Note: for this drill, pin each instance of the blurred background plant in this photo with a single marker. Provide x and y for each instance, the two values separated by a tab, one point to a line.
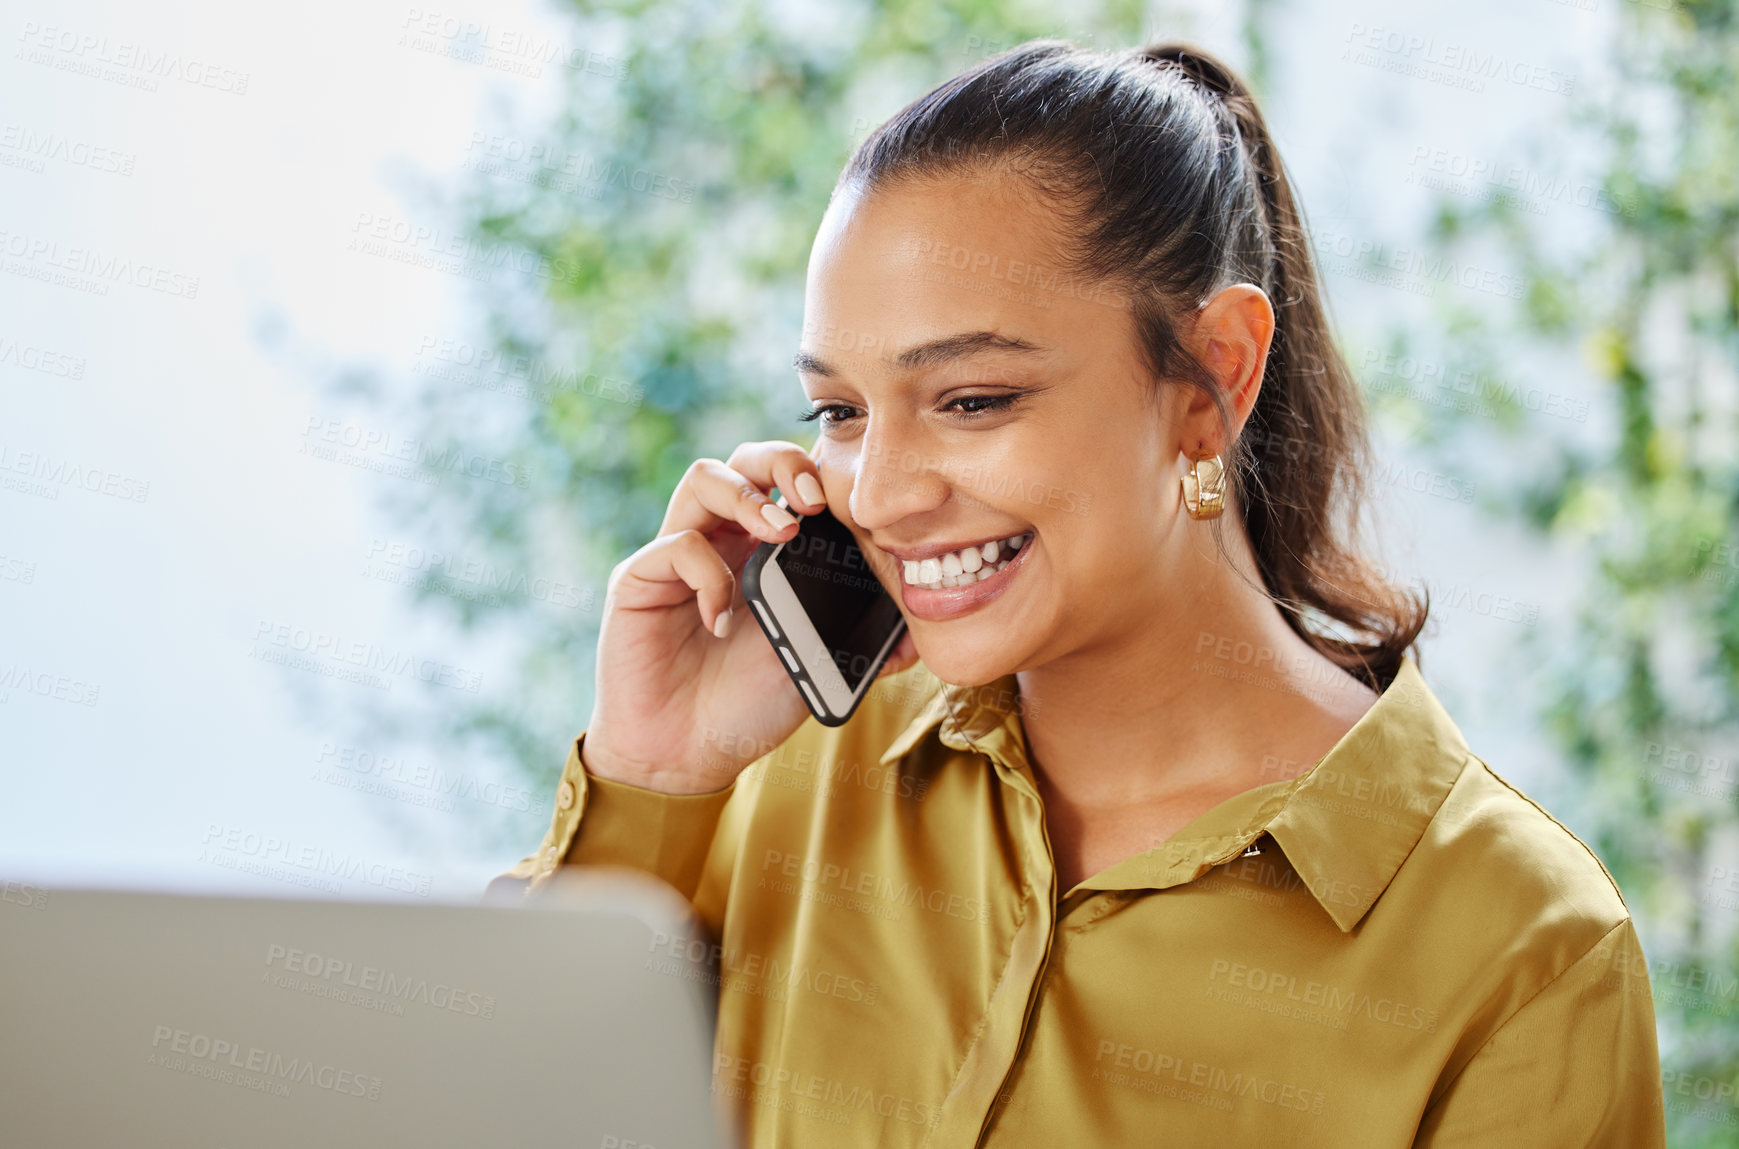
1642	688
662	227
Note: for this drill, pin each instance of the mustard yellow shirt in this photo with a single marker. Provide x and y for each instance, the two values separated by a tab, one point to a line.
1394	948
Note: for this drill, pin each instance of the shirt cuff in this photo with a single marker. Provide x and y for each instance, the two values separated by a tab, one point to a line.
602	822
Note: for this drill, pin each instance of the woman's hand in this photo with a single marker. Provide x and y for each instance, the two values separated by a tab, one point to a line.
689	692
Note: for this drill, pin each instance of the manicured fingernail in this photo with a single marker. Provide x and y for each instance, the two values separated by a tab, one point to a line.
722	624
809	490
776	515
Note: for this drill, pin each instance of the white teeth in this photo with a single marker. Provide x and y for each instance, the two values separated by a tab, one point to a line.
964	567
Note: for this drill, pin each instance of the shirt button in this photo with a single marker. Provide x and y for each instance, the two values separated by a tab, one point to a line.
549	859
565	795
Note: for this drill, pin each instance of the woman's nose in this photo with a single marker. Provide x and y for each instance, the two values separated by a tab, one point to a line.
894	479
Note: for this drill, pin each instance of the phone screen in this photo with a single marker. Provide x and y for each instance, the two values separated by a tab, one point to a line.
839	592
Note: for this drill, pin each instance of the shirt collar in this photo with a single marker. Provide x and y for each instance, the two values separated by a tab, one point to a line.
1354	817
982	719
1346	825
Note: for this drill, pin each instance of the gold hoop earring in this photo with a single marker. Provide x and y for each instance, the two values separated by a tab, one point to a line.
1204	487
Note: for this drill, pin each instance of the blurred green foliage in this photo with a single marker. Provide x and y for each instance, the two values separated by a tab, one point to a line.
1643	688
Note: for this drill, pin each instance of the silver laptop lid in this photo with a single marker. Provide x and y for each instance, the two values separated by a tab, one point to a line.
144	1019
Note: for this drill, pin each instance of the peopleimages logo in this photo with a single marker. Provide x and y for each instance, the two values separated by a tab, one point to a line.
320	968
470	577
201	1053
423	784
25	147
123	61
271	856
34	358
1410	269
341	441
551	164
46	684
52	475
22	894
1464	66
88	268
366	661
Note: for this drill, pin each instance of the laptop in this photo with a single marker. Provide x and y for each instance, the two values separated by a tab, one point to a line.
583	1016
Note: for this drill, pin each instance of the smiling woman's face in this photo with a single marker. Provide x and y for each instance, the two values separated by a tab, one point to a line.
971	392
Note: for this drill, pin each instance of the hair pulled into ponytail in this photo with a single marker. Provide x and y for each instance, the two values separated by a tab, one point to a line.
1165	167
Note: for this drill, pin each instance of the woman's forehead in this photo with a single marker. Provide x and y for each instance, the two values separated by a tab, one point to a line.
959	222
922	261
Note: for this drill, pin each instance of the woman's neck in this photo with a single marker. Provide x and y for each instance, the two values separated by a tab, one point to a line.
1213	692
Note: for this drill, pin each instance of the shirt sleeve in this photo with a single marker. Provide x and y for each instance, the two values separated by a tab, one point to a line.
1577	1065
601	822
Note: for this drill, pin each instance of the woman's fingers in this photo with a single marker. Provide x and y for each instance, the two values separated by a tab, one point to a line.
712	492
683	562
786	466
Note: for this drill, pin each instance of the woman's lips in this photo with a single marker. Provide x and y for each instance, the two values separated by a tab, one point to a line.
948	602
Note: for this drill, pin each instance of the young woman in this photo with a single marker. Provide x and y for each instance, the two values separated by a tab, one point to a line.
1166	841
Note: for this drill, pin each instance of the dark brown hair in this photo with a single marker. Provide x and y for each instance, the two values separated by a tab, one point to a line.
1160	161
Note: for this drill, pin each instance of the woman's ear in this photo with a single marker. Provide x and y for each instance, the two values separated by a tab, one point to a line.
1231	337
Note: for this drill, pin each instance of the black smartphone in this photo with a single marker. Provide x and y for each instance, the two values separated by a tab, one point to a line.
825	612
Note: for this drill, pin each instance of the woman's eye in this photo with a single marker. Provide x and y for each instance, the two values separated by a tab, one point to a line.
965	405
985	403
818	412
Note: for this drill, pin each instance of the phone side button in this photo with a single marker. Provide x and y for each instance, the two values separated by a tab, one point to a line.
814	702
772	627
790	659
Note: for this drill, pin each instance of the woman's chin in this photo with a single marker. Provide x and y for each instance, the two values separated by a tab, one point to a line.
962	668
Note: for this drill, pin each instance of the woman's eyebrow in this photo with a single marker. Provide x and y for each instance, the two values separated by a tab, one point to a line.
933	353
810	365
